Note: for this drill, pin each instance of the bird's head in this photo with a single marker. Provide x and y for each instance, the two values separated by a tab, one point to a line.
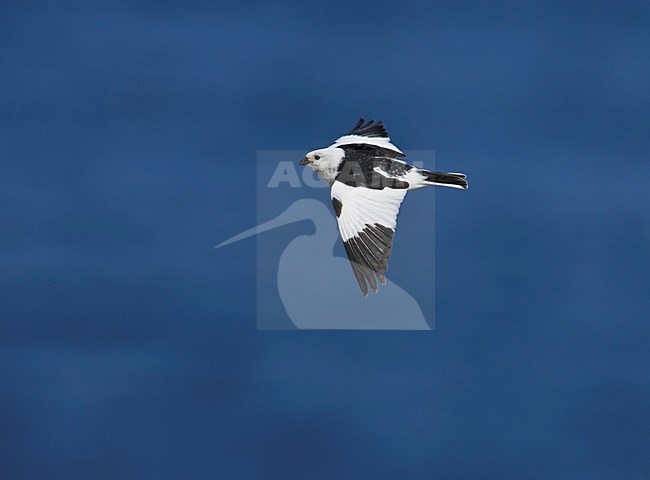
325	162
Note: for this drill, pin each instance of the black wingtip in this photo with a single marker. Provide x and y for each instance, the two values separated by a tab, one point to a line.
372	128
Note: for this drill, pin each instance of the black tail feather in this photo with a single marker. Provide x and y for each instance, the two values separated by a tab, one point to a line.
457	180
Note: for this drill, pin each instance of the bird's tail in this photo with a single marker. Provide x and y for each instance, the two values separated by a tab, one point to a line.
454	180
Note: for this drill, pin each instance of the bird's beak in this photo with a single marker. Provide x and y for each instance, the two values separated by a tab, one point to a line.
304	161
299	210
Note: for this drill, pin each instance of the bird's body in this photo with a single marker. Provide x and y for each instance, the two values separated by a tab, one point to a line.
369	182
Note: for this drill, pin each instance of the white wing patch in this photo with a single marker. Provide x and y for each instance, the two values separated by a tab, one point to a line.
367	219
361	206
376	141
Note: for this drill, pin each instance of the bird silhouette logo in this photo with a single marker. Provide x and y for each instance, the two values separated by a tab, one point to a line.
316	288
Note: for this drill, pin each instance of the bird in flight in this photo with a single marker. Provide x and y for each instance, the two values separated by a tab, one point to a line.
369	182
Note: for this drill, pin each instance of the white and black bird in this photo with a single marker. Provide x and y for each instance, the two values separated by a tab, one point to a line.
369	182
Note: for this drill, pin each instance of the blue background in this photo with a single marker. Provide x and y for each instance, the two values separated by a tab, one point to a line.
128	134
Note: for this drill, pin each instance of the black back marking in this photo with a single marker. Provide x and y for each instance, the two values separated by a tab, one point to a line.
359	170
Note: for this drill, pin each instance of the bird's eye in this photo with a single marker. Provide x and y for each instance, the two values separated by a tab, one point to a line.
316	157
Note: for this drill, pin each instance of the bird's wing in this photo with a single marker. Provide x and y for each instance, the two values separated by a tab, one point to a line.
367	219
371	135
